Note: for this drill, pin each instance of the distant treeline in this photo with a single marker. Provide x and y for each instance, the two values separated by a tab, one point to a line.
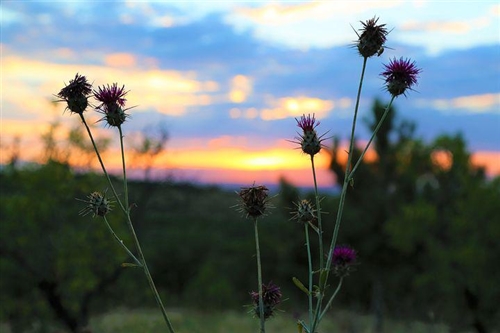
426	233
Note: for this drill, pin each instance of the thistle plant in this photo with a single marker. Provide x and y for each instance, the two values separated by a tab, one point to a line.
400	75
254	202
112	106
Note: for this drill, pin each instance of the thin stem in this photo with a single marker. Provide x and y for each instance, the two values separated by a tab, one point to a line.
331	299
303	325
138	245
321	253
121	242
318	209
125	187
347	172
101	162
309	260
259	279
342	195
386	112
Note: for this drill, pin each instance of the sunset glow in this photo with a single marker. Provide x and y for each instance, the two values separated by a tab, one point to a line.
226	80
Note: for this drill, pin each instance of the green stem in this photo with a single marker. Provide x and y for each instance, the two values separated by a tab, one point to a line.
347	172
318	209
259	279
343	194
331	299
125	187
121	242
386	112
101	162
321	253
137	244
309	260
303	325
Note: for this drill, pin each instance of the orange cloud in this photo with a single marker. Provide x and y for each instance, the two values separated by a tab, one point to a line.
29	85
295	107
472	103
488	159
283	14
241	87
120	60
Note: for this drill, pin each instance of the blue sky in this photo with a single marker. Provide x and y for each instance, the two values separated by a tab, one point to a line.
233	75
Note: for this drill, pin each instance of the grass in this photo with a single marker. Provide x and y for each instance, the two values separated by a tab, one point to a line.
149	320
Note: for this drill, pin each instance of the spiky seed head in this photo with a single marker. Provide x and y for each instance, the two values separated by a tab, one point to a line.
75	94
309	141
97	205
372	38
271	297
254	200
304	212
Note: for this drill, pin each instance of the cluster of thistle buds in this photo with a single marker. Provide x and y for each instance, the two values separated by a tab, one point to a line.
271	298
111	98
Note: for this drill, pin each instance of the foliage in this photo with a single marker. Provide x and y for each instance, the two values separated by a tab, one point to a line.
425	231
62	261
422	220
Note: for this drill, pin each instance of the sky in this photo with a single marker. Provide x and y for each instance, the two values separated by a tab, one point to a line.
226	79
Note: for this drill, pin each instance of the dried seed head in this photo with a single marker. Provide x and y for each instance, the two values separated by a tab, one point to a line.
400	75
97	204
75	94
343	259
372	38
112	100
271	297
254	200
305	212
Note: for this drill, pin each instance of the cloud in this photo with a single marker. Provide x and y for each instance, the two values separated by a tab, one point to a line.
484	103
295	107
457	27
241	87
29	84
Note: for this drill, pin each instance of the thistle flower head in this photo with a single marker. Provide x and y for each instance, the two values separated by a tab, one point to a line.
304	212
97	204
372	38
309	140
343	259
75	94
112	100
254	200
400	75
271	297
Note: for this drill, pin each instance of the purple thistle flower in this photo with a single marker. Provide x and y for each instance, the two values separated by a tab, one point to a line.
307	123
343	258
372	38
112	103
309	140
75	94
400	75
111	95
271	297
